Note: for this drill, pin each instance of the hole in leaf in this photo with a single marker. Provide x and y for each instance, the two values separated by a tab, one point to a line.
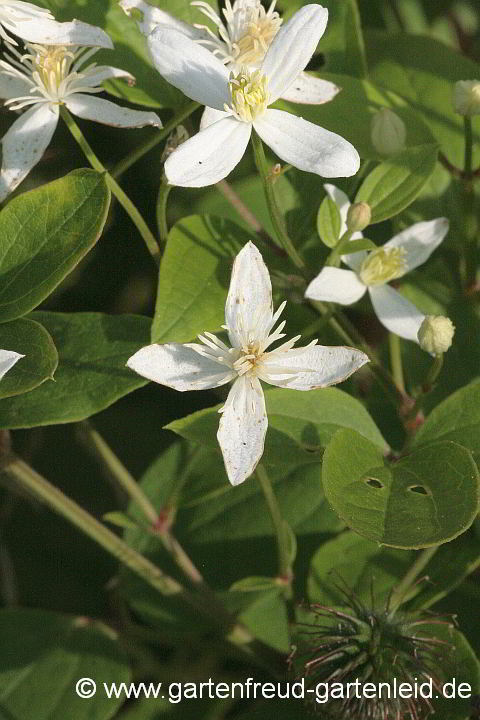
374	483
419	489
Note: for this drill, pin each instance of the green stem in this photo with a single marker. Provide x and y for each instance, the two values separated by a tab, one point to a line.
468	146
117	470
122	197
279	526
275	214
400	592
334	258
152	142
427	386
395	346
162	201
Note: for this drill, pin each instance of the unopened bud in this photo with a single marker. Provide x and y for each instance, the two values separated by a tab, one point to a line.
388	132
175	139
466	97
359	216
436	334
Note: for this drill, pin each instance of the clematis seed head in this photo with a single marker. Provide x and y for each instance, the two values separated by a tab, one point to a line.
436	334
388	132
466	97
359	216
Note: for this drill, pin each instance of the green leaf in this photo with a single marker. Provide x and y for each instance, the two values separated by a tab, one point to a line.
300	424
41	359
329	222
396	182
255	584
93	349
267	619
349	563
44	654
43	236
423	71
194	277
407	504
353	246
457	419
463	667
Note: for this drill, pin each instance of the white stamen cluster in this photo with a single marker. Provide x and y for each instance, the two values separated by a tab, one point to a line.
246	34
383	265
52	71
248	358
249	95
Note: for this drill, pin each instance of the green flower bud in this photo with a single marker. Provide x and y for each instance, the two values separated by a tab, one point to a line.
388	132
466	97
359	216
436	334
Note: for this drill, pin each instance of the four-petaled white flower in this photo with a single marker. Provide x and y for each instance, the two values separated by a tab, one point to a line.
8	358
243	39
46	77
37	25
241	101
373	271
250	322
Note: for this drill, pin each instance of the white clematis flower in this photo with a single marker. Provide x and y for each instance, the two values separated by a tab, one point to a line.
243	39
250	322
44	78
373	271
240	103
8	358
37	25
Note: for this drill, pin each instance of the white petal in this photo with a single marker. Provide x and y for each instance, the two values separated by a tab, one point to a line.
242	429
210	155
336	285
395	312
8	358
292	48
420	240
307	146
106	72
248	310
91	107
189	67
180	367
319	366
24	143
310	90
13	87
153	16
51	32
210	116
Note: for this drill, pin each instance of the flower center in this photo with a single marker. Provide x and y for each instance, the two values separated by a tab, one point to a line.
244	35
249	360
383	265
249	94
51	66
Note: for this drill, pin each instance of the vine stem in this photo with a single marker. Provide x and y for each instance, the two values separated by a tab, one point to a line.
400	592
279	525
122	197
137	154
162	201
273	209
395	346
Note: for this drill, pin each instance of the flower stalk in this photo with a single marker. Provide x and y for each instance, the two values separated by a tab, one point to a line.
161	209
273	209
402	590
122	197
395	346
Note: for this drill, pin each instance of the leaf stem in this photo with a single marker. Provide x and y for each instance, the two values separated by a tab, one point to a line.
275	214
122	197
395	346
279	526
136	154
401	590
